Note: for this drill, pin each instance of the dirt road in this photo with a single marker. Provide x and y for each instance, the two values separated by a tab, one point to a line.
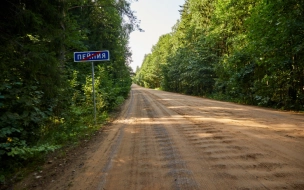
165	140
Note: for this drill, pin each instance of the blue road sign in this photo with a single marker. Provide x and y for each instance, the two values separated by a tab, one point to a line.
89	56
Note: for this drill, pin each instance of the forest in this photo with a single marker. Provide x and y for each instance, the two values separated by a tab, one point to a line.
46	97
244	51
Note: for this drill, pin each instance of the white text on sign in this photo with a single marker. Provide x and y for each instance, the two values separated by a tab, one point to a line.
84	56
92	56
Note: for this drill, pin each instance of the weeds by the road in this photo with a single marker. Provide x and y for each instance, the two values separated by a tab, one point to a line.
55	136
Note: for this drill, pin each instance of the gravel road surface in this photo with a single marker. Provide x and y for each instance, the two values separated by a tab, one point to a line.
165	140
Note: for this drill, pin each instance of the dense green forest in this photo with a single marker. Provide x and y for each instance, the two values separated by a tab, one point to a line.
45	97
246	51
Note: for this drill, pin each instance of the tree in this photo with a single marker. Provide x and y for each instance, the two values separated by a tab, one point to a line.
239	50
41	87
276	41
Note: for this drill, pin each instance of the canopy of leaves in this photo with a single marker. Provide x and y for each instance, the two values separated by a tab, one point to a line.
43	93
248	51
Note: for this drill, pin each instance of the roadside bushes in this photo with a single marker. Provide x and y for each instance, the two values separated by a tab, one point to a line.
46	98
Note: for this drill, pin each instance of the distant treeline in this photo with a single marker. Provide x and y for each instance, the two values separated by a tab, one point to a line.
247	51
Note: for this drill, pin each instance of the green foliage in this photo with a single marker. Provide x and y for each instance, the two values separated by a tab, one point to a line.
245	51
25	152
279	27
46	98
182	61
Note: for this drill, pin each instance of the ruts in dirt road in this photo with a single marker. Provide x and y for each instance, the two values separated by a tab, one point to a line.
164	140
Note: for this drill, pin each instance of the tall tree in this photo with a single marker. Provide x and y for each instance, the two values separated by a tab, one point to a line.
240	50
276	41
40	86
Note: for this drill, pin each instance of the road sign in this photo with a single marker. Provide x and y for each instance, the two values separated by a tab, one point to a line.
88	56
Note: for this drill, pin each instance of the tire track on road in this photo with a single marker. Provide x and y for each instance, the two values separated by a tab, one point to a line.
114	147
178	170
224	151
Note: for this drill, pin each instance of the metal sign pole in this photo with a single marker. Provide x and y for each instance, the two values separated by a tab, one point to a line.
93	92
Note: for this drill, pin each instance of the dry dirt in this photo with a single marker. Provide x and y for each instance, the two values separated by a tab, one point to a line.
164	140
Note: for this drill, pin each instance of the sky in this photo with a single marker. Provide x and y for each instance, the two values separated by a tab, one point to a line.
157	17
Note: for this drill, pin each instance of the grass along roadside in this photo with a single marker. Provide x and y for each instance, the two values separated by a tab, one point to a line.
57	142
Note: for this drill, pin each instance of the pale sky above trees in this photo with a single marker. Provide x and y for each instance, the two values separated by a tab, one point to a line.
157	18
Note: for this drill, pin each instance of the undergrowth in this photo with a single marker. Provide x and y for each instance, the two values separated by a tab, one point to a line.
55	135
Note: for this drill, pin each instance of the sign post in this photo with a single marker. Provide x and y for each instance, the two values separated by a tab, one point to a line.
93	82
91	56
